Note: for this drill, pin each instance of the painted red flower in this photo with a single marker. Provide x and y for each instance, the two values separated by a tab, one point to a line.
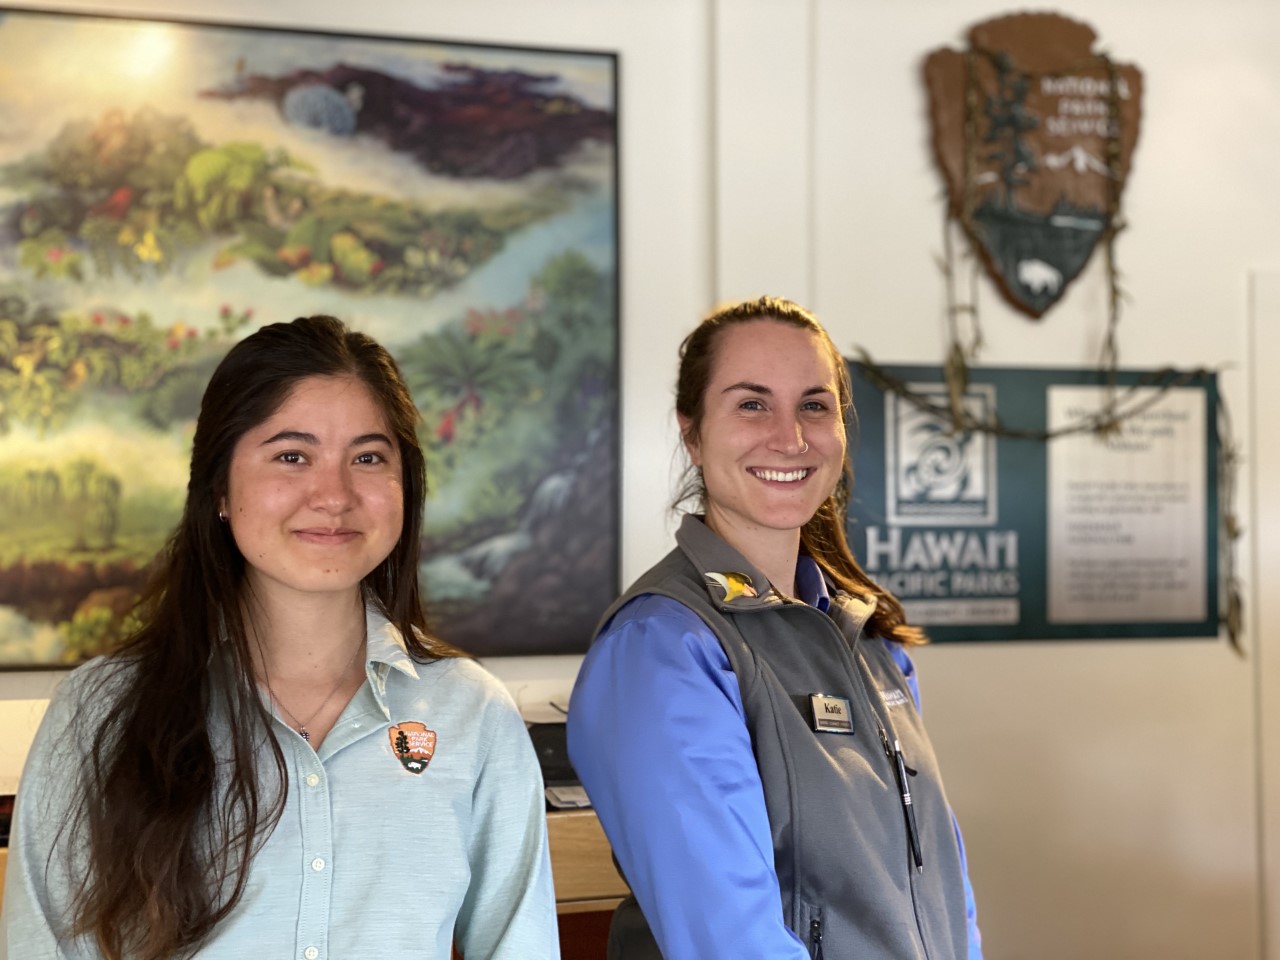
116	205
446	429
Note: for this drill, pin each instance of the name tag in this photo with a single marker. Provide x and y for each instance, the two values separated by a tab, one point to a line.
831	714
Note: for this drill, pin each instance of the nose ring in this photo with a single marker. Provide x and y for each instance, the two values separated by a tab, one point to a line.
805	448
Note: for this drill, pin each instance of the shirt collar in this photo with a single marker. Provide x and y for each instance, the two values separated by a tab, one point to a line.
811	585
385	652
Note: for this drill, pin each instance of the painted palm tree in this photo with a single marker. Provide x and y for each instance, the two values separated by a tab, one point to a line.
464	370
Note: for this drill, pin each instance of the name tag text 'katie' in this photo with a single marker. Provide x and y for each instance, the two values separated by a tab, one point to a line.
831	714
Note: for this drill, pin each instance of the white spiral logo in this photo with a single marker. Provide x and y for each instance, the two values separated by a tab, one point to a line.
941	463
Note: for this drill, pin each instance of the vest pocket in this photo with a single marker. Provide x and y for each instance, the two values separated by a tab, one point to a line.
812	930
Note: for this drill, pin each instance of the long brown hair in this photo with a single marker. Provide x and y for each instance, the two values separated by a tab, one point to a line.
823	536
169	816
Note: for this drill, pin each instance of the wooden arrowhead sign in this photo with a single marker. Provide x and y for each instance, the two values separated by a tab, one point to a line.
1034	133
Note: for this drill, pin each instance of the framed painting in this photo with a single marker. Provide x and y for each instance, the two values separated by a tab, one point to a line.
166	187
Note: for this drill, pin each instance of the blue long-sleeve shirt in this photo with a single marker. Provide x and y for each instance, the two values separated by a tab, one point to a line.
658	735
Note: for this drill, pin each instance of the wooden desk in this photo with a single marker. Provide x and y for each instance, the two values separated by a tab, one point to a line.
582	864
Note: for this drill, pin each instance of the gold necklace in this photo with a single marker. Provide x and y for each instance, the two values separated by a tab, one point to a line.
301	726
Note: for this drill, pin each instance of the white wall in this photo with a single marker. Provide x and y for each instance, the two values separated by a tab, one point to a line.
1112	794
1264	351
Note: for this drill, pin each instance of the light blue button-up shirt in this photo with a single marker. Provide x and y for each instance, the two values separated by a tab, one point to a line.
378	855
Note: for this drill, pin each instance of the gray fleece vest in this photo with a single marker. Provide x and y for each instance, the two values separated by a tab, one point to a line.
850	886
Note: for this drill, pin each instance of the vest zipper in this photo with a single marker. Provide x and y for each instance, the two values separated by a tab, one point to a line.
862	676
894	755
892	752
897	764
815	938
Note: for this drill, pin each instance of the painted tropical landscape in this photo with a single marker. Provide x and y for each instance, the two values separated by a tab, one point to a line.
456	202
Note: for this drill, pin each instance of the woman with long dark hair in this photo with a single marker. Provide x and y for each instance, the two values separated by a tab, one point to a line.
282	761
746	723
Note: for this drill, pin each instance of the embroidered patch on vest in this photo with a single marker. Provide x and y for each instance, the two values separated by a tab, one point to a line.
893	697
413	744
733	584
831	714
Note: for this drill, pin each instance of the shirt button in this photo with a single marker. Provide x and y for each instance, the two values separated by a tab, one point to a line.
313	779
317	864
311	953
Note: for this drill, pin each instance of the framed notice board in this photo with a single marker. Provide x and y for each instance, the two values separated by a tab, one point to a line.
991	537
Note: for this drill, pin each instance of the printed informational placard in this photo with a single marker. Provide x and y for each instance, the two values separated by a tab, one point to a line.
1127	513
987	537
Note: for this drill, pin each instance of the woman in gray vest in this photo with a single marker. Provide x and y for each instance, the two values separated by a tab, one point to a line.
747	721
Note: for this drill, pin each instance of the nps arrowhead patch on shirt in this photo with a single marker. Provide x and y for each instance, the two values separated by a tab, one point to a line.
413	744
